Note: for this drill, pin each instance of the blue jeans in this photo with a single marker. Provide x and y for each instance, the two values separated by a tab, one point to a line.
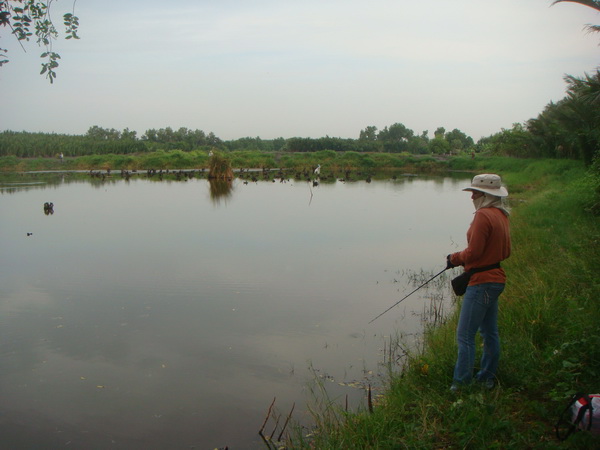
479	312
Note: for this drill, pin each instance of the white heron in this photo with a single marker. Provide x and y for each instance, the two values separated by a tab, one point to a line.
318	169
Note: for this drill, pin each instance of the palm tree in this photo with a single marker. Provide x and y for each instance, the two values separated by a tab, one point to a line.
595	4
587	88
571	127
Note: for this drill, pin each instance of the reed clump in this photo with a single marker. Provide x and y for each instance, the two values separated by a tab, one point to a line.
219	167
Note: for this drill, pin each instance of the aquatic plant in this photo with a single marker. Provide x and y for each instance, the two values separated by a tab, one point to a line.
219	167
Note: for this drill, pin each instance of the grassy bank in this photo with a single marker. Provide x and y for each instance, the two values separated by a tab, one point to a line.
329	160
549	329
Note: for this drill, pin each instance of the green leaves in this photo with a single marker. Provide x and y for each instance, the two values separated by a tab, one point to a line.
71	26
20	24
28	17
48	67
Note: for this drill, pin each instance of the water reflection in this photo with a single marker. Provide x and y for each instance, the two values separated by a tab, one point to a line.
48	208
145	314
220	190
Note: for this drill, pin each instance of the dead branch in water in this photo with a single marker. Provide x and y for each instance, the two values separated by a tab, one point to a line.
269	439
267	417
286	421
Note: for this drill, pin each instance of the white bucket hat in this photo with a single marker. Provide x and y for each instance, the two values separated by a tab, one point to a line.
488	183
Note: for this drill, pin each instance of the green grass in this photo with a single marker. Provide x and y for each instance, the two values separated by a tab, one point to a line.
549	329
334	162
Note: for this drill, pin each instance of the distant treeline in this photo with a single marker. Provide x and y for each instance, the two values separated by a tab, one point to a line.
569	128
97	141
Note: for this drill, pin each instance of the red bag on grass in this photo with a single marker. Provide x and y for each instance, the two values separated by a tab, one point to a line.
582	413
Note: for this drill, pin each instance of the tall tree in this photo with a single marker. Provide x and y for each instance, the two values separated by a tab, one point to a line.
368	134
439	146
459	140
516	141
129	134
395	138
571	127
103	134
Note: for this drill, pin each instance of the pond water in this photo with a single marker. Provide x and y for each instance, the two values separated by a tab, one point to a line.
146	314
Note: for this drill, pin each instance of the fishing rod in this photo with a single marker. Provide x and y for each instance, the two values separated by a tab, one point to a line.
408	295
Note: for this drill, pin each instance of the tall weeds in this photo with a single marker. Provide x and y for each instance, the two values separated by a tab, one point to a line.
219	167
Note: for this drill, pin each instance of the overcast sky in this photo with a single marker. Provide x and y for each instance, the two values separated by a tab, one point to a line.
308	68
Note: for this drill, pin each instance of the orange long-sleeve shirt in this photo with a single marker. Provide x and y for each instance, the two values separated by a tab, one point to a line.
488	242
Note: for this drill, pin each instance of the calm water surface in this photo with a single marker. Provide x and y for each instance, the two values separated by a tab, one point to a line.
145	314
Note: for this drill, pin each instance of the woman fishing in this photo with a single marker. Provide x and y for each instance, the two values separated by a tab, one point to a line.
488	243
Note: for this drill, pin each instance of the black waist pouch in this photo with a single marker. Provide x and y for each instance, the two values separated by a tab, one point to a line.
460	283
